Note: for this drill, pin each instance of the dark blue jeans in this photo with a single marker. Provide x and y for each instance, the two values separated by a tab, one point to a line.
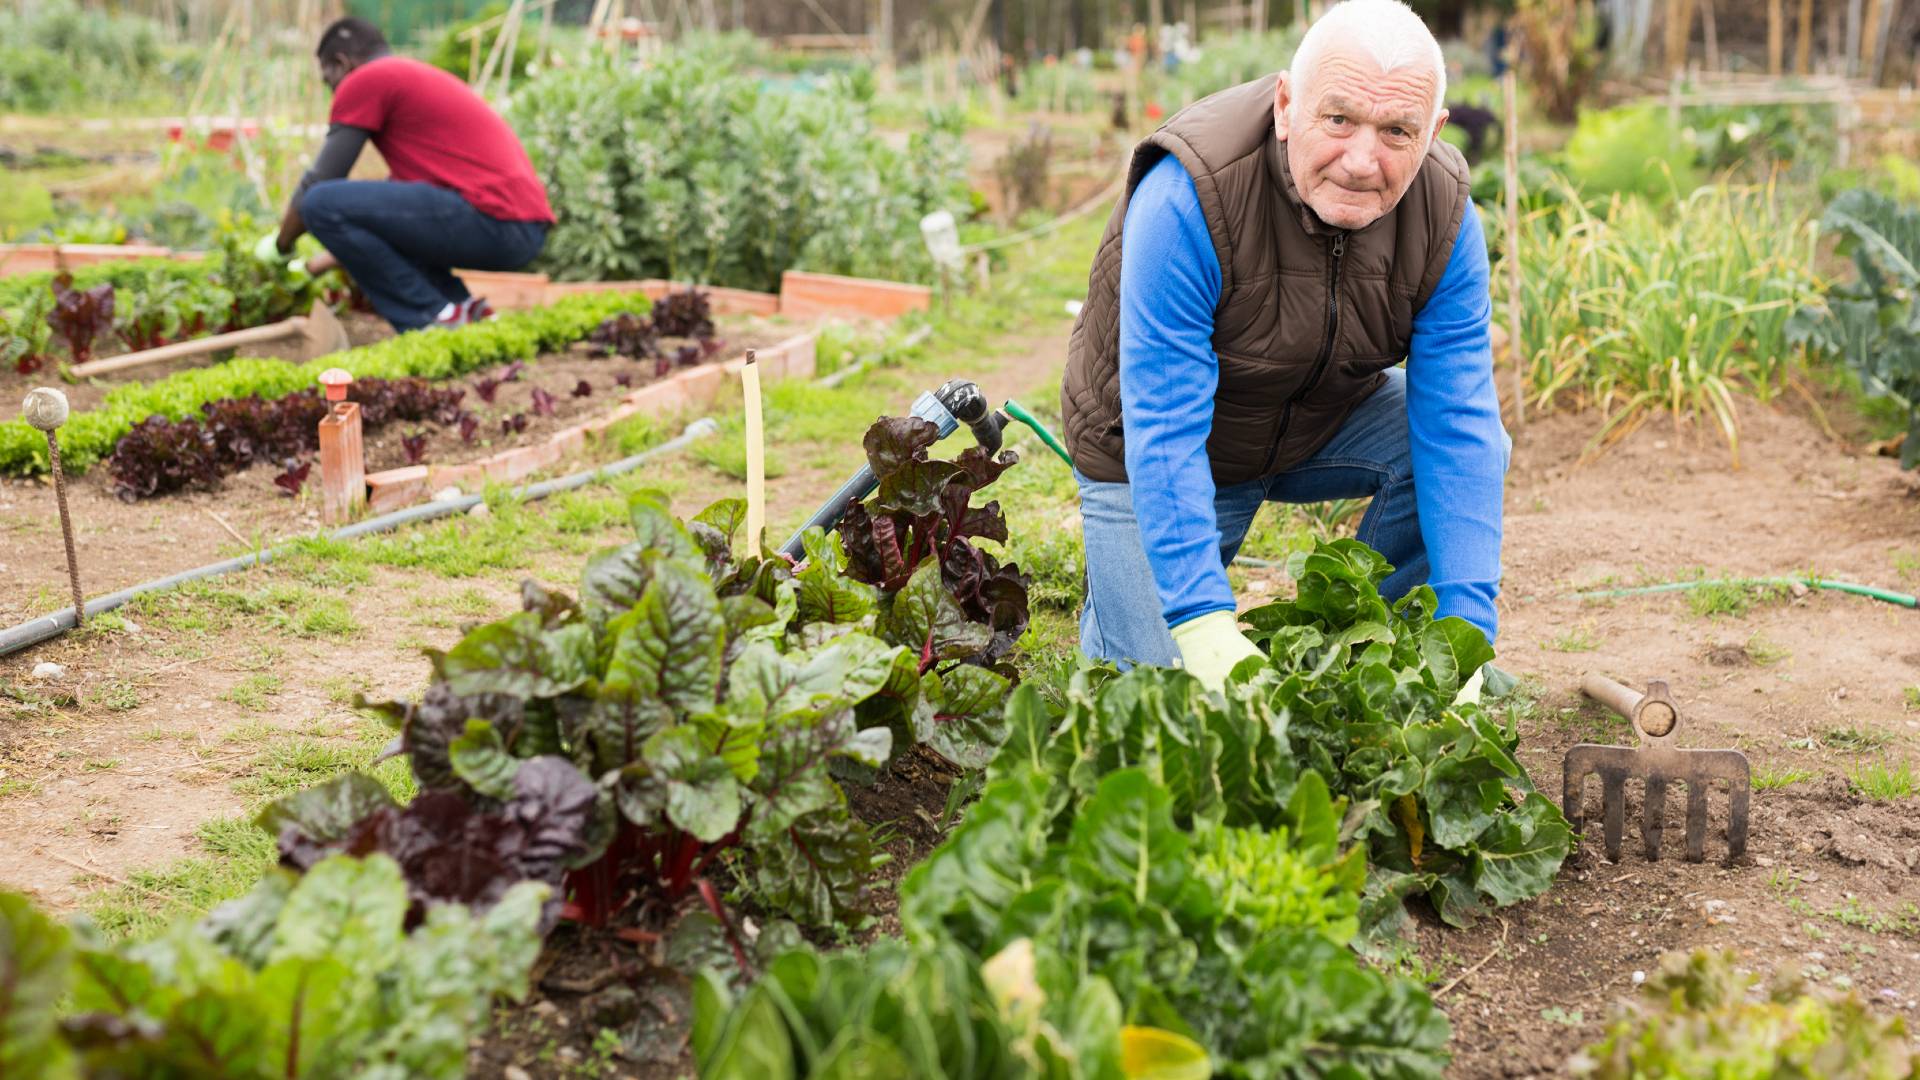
400	242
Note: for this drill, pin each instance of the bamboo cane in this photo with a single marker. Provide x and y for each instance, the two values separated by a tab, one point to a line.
1511	137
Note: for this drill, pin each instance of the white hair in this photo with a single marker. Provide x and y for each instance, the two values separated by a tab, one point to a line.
1386	30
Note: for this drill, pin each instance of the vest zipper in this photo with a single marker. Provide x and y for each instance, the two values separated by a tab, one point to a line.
1336	249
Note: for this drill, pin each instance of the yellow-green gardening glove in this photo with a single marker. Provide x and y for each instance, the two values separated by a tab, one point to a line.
267	250
1211	645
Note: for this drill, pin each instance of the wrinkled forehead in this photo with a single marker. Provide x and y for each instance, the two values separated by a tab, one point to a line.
1348	80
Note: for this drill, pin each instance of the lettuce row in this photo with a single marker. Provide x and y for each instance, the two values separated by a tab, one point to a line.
90	436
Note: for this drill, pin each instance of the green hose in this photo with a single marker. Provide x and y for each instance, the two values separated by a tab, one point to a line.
1891	597
1019	412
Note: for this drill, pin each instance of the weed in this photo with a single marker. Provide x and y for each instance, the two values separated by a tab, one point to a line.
1774	777
10	787
1557	1015
263	657
1764	652
253	691
117	696
1907	565
577	512
341	689
1884	781
1733	598
1854	740
102	765
1576	640
1912	696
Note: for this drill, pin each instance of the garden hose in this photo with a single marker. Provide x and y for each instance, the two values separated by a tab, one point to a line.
1019	412
1887	595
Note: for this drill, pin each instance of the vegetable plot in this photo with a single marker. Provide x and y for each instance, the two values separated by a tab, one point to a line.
522	335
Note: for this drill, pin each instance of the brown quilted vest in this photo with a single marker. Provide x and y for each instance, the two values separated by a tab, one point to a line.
1309	315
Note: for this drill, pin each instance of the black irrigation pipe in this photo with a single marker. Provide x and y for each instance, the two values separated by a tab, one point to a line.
47	627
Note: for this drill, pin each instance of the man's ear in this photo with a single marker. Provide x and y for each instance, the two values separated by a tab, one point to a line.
1439	126
1282	98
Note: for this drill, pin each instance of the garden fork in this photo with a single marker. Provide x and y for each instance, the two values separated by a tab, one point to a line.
1657	761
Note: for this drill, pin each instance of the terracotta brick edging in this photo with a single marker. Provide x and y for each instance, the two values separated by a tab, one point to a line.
804	294
694	388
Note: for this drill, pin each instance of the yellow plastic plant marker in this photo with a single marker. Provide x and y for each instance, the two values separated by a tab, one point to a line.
1158	1054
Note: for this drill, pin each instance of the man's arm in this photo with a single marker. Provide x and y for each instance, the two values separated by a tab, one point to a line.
1169	289
335	160
1459	448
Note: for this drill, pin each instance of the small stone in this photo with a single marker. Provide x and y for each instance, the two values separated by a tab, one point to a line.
1762	861
1798	589
132	627
47	671
448	494
515	1072
1639	977
1815	956
480	510
545	1008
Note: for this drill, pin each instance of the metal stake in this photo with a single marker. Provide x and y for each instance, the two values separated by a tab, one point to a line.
46	409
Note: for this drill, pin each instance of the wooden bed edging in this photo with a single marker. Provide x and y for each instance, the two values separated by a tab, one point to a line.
691	389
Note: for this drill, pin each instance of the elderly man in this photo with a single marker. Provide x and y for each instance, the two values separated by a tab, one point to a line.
1283	245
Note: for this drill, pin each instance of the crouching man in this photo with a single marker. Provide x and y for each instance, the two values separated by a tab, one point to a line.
1282	247
461	191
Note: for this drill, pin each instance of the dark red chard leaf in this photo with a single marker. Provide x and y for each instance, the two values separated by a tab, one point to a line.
294	478
623	379
511	425
487	388
683	314
469	424
512	374
625	334
80	315
542	402
415	446
895	440
710	346
28	363
661	365
687	355
583	389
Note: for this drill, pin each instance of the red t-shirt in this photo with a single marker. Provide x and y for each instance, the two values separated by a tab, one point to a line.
431	128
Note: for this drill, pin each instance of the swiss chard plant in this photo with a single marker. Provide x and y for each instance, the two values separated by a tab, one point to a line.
1363	693
1873	323
681	706
80	315
311	977
951	603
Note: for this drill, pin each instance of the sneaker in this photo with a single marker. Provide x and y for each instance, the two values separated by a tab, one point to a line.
471	310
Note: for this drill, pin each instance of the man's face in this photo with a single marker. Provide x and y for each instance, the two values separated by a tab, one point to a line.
1356	137
333	69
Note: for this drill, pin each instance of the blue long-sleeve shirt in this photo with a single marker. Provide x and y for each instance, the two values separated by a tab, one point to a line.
1169	290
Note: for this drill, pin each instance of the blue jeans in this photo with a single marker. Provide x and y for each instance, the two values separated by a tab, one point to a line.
1368	457
401	241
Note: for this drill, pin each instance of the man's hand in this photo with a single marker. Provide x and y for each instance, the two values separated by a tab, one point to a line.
267	250
321	263
1211	645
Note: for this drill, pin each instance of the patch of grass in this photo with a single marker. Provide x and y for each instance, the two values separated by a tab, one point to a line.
1775	777
341	689
321	562
116	696
237	852
1854	740
577	513
254	691
1883	780
1911	695
1575	640
464	547
1733	598
1764	652
1907	565
262	656
10	787
101	765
